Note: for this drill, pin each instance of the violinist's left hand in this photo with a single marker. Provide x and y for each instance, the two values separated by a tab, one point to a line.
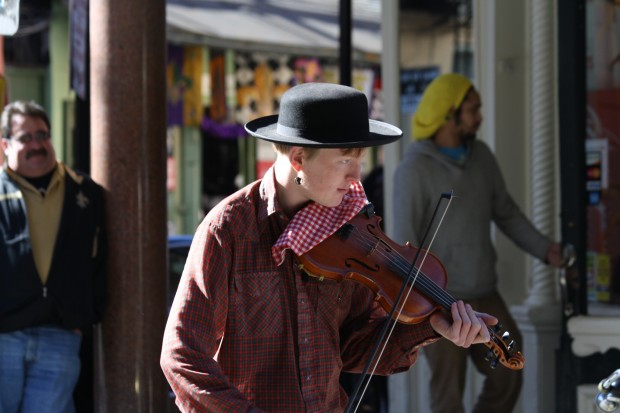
465	326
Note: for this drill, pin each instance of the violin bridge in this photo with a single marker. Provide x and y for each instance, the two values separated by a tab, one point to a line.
373	248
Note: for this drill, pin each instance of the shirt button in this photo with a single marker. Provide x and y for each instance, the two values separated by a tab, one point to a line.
303	301
305	340
308	378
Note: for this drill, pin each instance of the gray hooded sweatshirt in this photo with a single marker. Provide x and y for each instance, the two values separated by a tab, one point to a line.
463	243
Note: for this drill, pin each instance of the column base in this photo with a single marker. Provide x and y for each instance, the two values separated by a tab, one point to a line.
540	326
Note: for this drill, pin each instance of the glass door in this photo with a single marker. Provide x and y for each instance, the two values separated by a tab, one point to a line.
602	154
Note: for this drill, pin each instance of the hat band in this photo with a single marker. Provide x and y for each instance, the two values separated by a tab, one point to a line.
288	131
304	134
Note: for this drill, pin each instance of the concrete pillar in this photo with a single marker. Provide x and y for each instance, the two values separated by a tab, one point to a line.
128	133
544	142
501	56
540	328
539	318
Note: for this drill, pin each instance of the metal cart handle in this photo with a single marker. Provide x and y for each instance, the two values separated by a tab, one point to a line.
608	398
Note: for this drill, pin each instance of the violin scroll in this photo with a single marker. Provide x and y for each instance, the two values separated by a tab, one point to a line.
501	350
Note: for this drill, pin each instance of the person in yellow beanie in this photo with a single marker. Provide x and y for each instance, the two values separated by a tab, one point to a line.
441	97
446	156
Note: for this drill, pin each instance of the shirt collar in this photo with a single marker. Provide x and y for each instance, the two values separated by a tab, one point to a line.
57	177
268	192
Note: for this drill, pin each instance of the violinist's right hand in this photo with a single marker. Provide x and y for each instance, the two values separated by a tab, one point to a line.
463	326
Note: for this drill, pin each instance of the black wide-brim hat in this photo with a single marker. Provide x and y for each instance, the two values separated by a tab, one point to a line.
323	115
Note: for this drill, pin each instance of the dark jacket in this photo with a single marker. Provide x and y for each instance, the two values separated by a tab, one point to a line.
73	296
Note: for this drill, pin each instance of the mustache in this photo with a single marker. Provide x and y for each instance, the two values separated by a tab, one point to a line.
34	152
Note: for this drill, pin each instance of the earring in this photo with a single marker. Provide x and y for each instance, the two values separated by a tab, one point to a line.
298	180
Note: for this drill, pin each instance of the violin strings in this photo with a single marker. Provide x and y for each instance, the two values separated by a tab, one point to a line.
369	242
391	312
412	269
370	245
429	287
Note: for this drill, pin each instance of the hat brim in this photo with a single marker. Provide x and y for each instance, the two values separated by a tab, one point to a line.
380	133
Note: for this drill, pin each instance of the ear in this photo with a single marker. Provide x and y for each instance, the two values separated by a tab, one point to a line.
450	115
296	157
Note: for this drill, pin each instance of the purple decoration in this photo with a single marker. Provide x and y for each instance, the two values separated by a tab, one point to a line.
222	131
175	83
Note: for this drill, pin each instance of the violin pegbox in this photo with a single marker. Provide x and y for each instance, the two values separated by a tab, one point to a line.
501	350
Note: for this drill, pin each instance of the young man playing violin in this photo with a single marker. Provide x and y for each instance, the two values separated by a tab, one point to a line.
446	156
248	330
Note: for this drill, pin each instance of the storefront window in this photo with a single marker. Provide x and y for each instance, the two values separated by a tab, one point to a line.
602	146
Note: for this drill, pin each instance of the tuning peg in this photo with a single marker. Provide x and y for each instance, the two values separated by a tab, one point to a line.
490	355
494	362
510	343
497	327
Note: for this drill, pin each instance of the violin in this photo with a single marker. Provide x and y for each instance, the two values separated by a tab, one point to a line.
360	251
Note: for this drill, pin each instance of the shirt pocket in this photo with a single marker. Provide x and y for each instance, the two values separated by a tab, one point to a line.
257	305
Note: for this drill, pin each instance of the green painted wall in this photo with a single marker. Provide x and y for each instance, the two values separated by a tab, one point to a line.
49	85
185	200
27	83
59	72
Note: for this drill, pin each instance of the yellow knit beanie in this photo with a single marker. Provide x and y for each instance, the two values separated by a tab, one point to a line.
445	92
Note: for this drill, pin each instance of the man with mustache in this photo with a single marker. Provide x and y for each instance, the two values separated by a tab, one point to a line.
52	265
444	157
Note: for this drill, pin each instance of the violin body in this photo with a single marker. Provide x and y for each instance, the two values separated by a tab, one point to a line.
367	261
360	251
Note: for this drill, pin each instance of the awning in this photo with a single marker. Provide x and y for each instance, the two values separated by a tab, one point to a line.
292	26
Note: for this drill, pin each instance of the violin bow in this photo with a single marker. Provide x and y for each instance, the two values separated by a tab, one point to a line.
391	324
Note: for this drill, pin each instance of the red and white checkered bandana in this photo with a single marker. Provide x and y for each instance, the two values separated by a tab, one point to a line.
315	223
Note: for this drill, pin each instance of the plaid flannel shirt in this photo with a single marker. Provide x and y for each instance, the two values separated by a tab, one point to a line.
247	335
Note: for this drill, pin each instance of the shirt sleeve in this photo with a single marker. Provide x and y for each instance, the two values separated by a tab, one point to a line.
511	220
195	328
